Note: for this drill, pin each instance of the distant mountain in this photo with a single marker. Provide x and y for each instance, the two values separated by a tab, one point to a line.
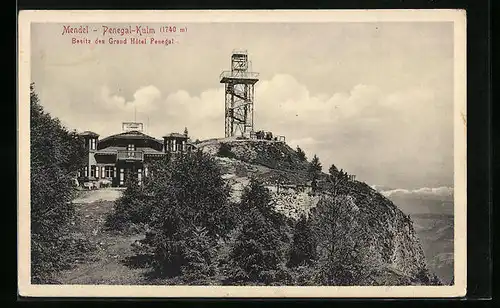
432	213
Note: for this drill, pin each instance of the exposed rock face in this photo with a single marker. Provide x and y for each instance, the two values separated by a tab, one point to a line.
391	240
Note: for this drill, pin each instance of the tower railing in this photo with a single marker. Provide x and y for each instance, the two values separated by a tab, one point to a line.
238	74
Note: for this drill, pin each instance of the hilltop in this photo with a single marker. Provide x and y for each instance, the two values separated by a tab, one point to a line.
390	235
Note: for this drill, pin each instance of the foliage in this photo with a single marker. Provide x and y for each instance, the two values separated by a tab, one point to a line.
199	254
56	156
254	257
339	183
133	207
303	248
333	170
344	257
186	193
256	196
301	154
225	150
315	166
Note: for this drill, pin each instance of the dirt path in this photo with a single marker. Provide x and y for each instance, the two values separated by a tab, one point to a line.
112	249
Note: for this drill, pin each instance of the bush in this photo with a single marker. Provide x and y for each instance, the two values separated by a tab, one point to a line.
225	151
133	207
56	155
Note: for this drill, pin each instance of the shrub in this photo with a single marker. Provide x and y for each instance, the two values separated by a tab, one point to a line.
225	151
133	207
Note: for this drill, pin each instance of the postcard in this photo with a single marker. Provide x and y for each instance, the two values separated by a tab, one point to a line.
288	153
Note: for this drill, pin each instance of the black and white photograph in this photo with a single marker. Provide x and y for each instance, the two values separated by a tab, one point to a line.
188	153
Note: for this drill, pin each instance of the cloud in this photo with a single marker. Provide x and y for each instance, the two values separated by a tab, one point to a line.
367	130
420	192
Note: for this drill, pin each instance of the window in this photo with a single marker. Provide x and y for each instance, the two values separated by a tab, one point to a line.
86	172
122	176
92	171
96	171
108	171
93	144
131	147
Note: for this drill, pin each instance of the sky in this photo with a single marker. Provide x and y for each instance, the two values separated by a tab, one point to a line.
375	99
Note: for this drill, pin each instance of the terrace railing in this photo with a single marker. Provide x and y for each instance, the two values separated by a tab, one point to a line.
130	155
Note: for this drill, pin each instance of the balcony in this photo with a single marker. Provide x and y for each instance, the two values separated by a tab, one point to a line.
130	155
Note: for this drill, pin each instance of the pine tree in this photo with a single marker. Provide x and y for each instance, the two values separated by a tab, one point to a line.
198	253
303	248
301	154
254	256
256	196
315	165
333	170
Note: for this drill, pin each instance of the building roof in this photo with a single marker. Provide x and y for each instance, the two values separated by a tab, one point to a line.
133	134
89	133
175	135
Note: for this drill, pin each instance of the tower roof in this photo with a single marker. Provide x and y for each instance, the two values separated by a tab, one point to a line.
175	135
89	133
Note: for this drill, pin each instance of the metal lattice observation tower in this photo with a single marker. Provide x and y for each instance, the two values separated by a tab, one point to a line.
239	95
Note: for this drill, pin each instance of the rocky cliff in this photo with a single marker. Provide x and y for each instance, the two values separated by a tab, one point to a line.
397	255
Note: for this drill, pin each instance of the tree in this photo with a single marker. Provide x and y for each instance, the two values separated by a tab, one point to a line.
303	248
256	196
56	156
199	254
187	193
333	170
315	165
344	258
254	256
301	154
314	170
